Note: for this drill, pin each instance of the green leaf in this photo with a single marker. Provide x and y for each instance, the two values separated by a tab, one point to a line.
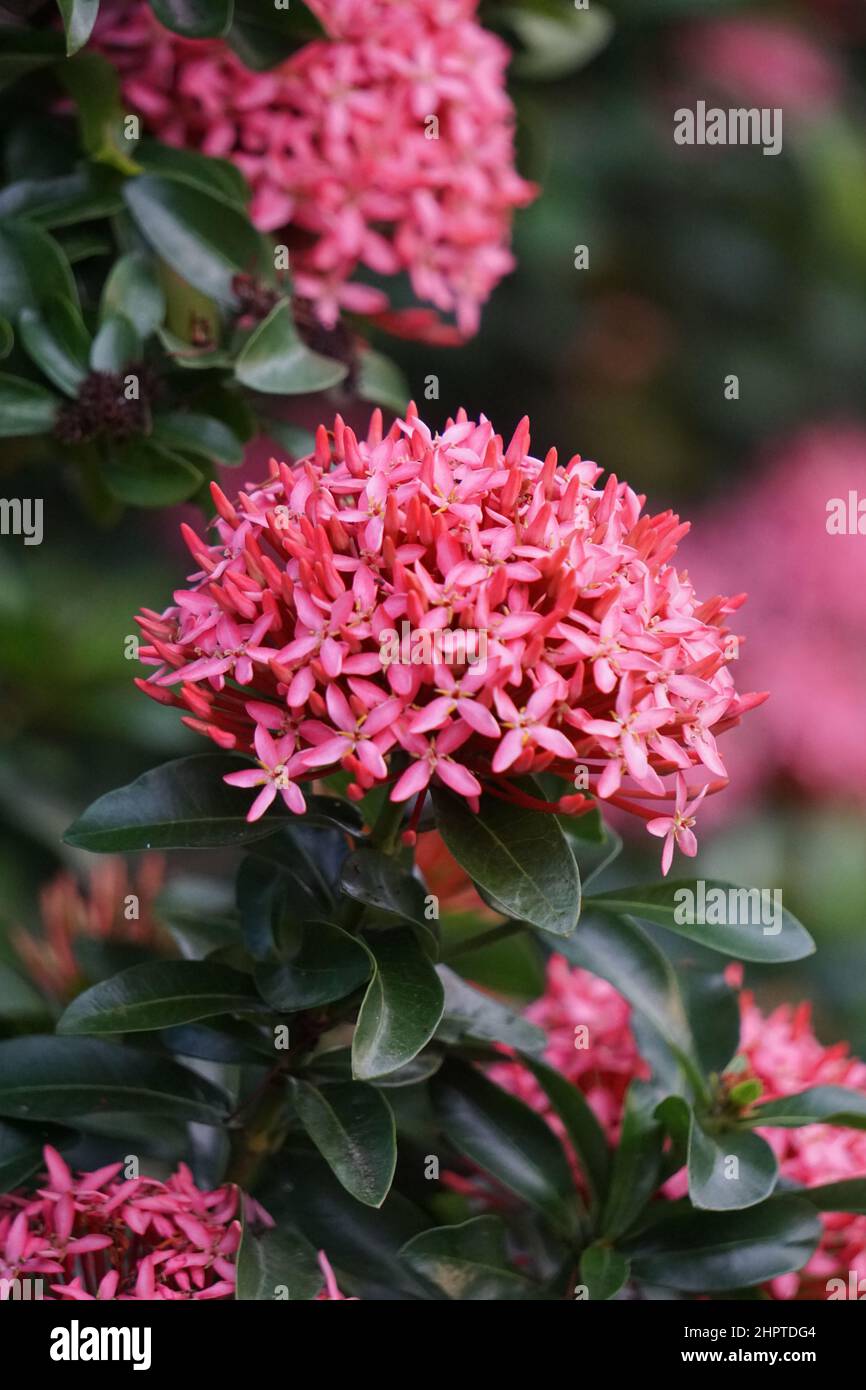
622	953
145	475
713	1010
33	269
116	344
94	86
48	1078
353	1128
25	408
847	1195
729	1169
198	434
637	1161
603	1270
58	342
86	194
556	38
160	994
202	236
830	1105
25	50
710	1252
21	1004
507	1139
469	1262
218	176
521	862
20	1154
276	1264
183	804
195	19
79	17
671	904
381	381
133	290
373	878
401	1009
277	361
582	1128
263	36
321	964
471	1014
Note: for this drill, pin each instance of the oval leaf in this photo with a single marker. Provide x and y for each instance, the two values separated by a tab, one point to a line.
830	1105
353	1128
160	994
401	1009
324	964
276	360
729	1170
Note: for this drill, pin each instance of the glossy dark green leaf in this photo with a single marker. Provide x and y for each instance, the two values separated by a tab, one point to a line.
321	963
603	1270
713	1010
521	862
583	1129
729	1169
195	19
20	1154
469	1013
671	904
847	1195
210	175
401	1009
353	1128
57	1078
263	36
231	1042
557	39
33	269
160	994
507	1139
79	17
276	1264
25	407
133	290
277	361
374	879
143	474
198	434
183	804
831	1105
201	236
116	344
468	1262
709	1252
94	86
58	342
21	1004
622	953
65	199
637	1160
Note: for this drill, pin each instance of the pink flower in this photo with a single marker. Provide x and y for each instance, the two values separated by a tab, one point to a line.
677	829
388	146
143	1239
762	62
598	655
277	769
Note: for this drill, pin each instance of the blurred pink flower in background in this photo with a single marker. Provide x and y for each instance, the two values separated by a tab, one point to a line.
763	62
589	1041
805	623
388	145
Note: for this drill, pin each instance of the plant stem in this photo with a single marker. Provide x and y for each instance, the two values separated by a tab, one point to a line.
261	1135
484	938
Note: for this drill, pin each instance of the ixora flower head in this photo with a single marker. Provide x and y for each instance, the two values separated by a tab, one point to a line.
102	1236
387	146
601	665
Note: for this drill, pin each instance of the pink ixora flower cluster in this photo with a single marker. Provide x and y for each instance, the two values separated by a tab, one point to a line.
601	664
387	146
589	1040
100	1236
111	908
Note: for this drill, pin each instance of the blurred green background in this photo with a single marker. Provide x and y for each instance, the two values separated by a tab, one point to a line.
701	263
